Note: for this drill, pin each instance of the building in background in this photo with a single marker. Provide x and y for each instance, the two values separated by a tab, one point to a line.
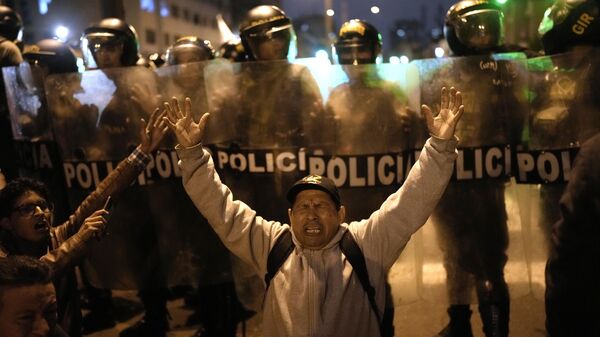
158	22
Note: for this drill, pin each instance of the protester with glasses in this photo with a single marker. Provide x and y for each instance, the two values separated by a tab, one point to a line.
26	222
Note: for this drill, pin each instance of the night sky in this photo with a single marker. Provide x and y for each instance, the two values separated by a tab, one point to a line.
431	12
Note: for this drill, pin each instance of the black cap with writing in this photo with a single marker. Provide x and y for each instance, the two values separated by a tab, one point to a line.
314	182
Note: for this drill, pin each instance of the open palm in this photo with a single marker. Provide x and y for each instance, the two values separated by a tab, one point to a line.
444	123
152	132
188	132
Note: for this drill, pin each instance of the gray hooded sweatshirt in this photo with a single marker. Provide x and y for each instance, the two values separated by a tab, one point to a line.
316	293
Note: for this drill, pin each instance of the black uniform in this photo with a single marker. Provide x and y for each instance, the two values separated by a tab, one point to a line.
470	218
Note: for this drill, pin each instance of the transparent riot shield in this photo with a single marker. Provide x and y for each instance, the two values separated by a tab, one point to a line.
563	114
269	115
201	259
37	154
475	236
375	136
276	109
157	237
360	138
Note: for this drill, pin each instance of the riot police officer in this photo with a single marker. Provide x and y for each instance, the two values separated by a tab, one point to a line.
110	45
474	242
267	34
214	299
275	104
11	30
366	105
572	296
188	77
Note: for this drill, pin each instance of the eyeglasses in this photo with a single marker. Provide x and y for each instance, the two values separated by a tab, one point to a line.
29	209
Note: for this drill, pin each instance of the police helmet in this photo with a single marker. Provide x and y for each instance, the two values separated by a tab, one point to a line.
474	26
358	42
570	23
11	25
233	50
189	49
107	33
57	56
268	24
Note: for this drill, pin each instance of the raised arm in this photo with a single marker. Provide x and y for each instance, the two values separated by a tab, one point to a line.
243	232
387	231
71	237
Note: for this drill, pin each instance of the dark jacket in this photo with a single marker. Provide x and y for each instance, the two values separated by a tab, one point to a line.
573	269
67	244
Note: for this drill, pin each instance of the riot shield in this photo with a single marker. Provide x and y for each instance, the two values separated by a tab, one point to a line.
360	138
376	132
563	114
476	227
37	154
157	237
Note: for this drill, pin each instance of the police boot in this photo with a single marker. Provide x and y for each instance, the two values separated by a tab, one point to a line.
155	322
495	317
460	322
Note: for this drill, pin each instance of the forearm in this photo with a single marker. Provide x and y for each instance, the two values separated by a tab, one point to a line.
237	225
404	212
68	254
117	181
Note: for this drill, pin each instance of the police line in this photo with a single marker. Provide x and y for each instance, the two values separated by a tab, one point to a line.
481	163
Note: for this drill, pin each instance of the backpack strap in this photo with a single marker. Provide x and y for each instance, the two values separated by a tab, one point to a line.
281	250
356	258
284	246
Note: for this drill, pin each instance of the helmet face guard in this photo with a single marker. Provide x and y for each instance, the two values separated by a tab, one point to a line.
93	43
110	33
274	43
480	29
188	53
189	49
354	53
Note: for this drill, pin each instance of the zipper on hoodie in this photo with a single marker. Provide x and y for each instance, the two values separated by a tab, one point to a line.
311	292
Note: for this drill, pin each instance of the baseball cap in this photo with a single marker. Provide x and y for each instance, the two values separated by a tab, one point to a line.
314	182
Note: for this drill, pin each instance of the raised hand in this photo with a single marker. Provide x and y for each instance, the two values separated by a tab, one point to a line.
188	132
444	124
153	132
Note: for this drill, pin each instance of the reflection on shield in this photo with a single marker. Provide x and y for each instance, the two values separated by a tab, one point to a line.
37	154
375	130
563	114
156	235
272	123
477	222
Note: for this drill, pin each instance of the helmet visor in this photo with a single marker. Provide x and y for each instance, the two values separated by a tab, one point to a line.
187	53
354	54
94	43
481	29
274	43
